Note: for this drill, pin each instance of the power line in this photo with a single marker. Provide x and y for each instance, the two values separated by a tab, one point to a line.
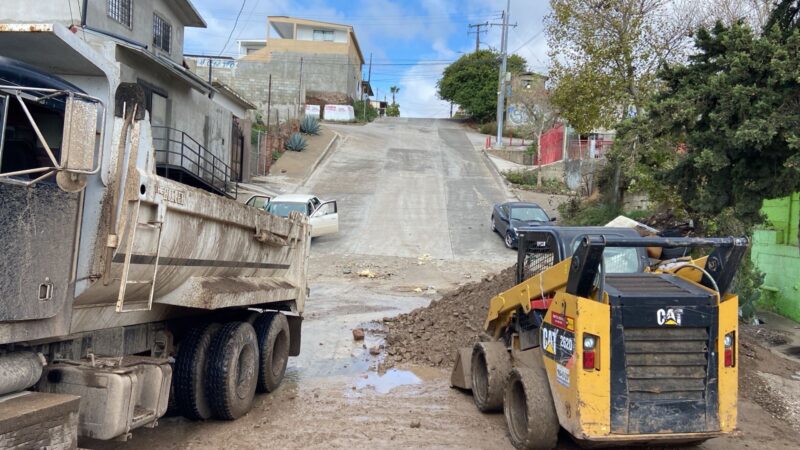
528	41
235	23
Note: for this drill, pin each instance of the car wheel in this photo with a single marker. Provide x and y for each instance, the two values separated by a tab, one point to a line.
494	228
509	240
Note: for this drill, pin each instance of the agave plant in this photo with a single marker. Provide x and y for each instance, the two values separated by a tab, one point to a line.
309	125
296	143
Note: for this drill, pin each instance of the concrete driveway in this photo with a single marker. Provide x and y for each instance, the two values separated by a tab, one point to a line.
408	187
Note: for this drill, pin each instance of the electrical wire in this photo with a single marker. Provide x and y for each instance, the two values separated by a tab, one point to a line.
244	2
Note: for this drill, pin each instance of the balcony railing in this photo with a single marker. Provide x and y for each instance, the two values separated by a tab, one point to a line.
179	157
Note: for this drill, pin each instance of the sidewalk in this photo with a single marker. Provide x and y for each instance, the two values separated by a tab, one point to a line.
293	168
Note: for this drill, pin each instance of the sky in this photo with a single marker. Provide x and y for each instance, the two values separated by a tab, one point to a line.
411	41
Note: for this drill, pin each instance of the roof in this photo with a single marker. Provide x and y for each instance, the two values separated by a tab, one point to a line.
170	66
188	13
232	94
520	204
296	198
367	87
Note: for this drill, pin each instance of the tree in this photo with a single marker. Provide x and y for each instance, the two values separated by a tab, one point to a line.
471	82
533	98
605	54
724	130
394	90
393	110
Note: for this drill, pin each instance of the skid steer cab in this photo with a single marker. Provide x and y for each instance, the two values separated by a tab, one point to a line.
615	348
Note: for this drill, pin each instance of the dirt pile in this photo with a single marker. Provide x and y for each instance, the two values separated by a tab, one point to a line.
432	335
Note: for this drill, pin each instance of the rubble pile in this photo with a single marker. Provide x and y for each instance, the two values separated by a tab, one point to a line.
431	335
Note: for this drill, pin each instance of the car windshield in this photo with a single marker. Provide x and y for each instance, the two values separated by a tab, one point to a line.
284	208
526	213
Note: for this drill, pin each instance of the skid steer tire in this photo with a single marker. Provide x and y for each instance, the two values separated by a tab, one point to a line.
189	377
232	370
530	413
272	330
491	365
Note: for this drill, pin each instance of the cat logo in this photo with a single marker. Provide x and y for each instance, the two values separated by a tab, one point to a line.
549	339
669	316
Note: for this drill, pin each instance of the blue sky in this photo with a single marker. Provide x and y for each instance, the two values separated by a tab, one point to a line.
411	41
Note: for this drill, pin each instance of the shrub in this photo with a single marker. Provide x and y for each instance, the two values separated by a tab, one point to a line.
490	128
309	125
358	109
296	143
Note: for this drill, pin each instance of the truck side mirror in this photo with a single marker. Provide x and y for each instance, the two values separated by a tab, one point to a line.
78	143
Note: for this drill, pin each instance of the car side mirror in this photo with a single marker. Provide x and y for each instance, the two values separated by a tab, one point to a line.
78	144
553	219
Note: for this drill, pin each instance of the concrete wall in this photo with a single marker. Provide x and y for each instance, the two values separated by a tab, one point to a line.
188	110
328	73
775	252
96	17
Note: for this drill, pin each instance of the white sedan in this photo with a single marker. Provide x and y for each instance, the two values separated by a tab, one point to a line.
323	215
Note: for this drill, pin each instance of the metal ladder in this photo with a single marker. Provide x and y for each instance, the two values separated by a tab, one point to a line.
133	225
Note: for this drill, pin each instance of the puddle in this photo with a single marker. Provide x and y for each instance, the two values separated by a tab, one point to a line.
391	379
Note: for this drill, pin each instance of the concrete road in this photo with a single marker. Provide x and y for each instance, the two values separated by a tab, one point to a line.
408	187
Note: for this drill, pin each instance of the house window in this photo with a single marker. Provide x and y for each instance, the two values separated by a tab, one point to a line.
162	33
323	35
120	11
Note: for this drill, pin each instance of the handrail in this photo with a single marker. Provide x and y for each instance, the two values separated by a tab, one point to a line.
195	159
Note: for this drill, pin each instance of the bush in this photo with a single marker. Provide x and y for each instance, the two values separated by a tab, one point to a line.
526	179
309	125
296	143
578	212
490	128
358	108
393	110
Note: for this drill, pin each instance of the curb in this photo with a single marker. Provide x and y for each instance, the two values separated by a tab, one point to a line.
499	178
336	137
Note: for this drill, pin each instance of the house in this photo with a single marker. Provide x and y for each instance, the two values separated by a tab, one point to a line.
144	40
774	252
300	61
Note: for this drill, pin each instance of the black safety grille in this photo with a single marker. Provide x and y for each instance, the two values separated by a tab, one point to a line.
668	363
537	262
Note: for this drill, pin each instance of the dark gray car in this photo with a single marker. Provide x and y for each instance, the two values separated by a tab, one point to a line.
510	216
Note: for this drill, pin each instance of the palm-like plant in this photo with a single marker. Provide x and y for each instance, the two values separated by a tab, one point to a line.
394	90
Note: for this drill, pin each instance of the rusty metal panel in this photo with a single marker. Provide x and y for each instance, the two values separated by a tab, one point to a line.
37	234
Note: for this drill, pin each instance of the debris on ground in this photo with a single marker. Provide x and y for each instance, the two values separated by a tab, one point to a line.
423	259
358	334
767	378
367	273
431	335
416	424
375	350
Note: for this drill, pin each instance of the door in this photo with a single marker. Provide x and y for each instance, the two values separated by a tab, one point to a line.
502	224
258	201
325	219
237	150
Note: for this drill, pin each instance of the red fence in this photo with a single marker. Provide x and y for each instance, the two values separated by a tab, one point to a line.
552	145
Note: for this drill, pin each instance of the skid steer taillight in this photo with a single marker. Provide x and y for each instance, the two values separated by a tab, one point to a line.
589	348
730	356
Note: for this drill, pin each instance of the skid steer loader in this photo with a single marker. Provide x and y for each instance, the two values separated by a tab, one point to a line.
609	345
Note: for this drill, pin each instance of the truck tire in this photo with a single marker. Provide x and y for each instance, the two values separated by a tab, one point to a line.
491	365
272	330
232	370
530	413
189	378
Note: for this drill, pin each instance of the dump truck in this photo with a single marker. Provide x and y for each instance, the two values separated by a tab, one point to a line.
614	347
124	292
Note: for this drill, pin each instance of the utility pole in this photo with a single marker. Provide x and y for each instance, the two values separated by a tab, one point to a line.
300	99
369	78
501	93
478	32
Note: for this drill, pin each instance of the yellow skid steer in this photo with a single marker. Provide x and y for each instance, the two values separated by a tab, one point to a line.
615	348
